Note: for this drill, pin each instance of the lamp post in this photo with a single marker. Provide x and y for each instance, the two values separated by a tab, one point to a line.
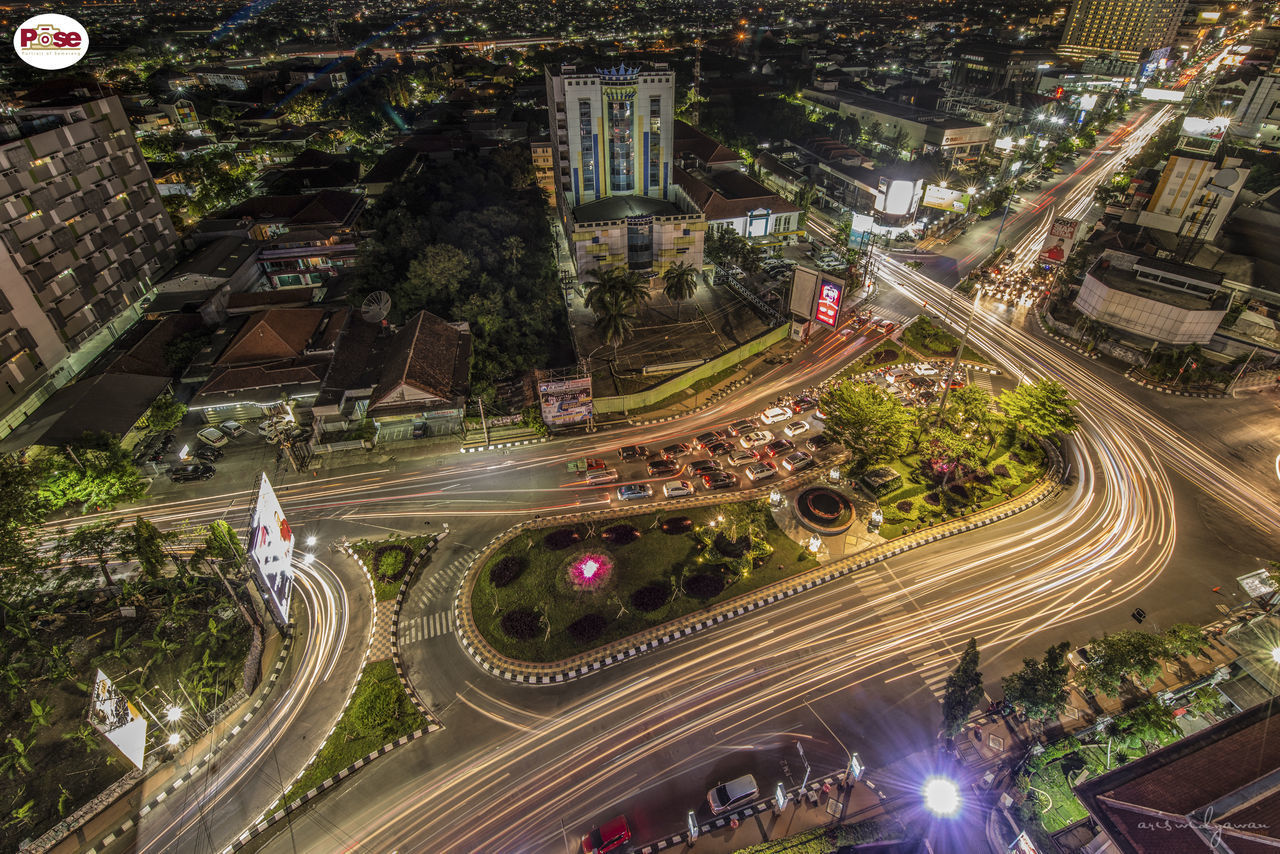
955	363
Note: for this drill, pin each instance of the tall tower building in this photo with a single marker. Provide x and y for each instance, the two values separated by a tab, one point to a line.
611	131
83	234
1124	28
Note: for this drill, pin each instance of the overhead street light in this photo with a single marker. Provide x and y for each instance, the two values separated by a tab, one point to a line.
173	714
941	796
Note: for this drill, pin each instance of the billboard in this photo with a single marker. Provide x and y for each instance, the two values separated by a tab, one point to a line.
937	196
270	550
1088	101
116	718
1171	95
1198	128
828	303
1059	241
566	402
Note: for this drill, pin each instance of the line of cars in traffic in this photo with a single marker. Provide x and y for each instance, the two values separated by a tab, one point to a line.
722	798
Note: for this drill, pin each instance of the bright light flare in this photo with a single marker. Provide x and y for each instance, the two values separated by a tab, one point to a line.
941	796
175	739
173	714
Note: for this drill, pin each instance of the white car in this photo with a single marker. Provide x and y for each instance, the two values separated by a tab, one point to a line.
677	488
213	437
739	458
756	439
775	414
760	471
795	428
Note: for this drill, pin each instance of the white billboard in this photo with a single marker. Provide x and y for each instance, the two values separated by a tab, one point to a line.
1200	128
270	549
1059	241
116	718
567	402
937	196
1171	95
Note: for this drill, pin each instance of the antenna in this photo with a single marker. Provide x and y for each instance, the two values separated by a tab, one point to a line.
375	306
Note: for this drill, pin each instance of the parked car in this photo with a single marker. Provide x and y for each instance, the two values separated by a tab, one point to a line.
802	404
795	428
213	437
819	414
633	452
701	467
677	488
635	492
720	480
718	448
756	439
740	458
664	468
233	429
734	793
609	836
190	472
746	425
775	414
798	461
761	470
819	442
779	446
208	453
678	449
1080	658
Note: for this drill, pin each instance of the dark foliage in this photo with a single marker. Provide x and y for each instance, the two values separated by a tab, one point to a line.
507	570
391	569
904	506
620	535
1000	470
886	356
732	548
651	597
520	624
1013	457
959	491
588	627
561	538
677	525
931	498
704	585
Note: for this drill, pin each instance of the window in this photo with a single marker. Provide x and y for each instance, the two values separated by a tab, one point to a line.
587	146
621	170
655	142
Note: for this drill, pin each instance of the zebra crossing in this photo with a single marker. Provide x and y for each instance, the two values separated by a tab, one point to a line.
425	626
881	596
934	670
440	584
982	380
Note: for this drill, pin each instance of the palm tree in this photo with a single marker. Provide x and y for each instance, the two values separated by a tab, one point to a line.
614	319
615	281
682	284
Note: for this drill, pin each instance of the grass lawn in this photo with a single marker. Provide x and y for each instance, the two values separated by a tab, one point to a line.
885	355
1054	802
931	340
379	712
391	561
653	558
1021	468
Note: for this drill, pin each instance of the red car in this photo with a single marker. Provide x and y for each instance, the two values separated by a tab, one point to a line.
608	836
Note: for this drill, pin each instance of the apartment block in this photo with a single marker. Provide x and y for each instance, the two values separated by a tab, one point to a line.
83	236
1128	29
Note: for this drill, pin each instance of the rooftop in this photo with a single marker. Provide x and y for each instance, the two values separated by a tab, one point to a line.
729	195
621	207
1128	282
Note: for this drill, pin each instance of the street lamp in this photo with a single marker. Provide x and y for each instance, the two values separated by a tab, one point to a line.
941	796
311	541
173	714
1275	654
175	739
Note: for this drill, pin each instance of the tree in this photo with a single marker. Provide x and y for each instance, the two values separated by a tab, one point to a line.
1041	409
681	284
20	511
165	413
1121	657
873	425
1039	689
972	405
148	545
806	194
621	288
614	319
93	471
98	540
1147	726
950	449
963	691
1184	639
435	279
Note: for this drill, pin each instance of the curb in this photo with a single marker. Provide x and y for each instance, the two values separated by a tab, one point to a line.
715	398
557	672
1066	342
395	633
276	670
1130	376
504	445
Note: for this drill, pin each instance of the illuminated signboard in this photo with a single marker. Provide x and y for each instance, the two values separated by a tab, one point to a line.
270	550
828	303
118	719
1059	241
1201	128
937	196
567	402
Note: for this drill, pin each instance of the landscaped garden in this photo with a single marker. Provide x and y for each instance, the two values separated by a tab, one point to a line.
554	592
933	342
389	560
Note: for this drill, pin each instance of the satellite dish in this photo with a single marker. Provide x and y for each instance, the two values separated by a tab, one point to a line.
375	306
1225	178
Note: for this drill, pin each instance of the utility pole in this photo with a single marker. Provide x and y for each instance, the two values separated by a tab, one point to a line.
484	425
955	363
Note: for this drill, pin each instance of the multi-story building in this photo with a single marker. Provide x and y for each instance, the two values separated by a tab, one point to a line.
1257	118
1194	195
919	131
1126	28
544	167
997	69
1153	299
83	235
611	136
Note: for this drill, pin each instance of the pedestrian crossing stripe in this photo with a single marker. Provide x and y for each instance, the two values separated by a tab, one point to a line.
441	582
426	626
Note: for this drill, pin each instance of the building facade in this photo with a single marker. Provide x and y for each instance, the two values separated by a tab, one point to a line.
1155	300
1194	195
1126	28
84	236
919	131
1257	117
544	167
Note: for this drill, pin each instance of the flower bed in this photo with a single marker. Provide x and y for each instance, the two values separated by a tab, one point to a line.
396	548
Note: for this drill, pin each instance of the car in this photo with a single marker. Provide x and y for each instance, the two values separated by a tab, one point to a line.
886	326
677	488
632	452
209	454
718	448
663	468
756	439
703	439
926	370
737	428
798	461
701	467
1081	658
190	472
732	794
268	428
762	470
602	475
802	404
635	492
775	414
956	383
819	442
611	835
819	414
213	437
720	480
795	428
779	446
593	464
678	449
233	429
740	458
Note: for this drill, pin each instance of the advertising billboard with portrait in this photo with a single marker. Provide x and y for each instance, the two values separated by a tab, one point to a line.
937	196
271	543
1200	128
566	402
828	311
1059	241
118	719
